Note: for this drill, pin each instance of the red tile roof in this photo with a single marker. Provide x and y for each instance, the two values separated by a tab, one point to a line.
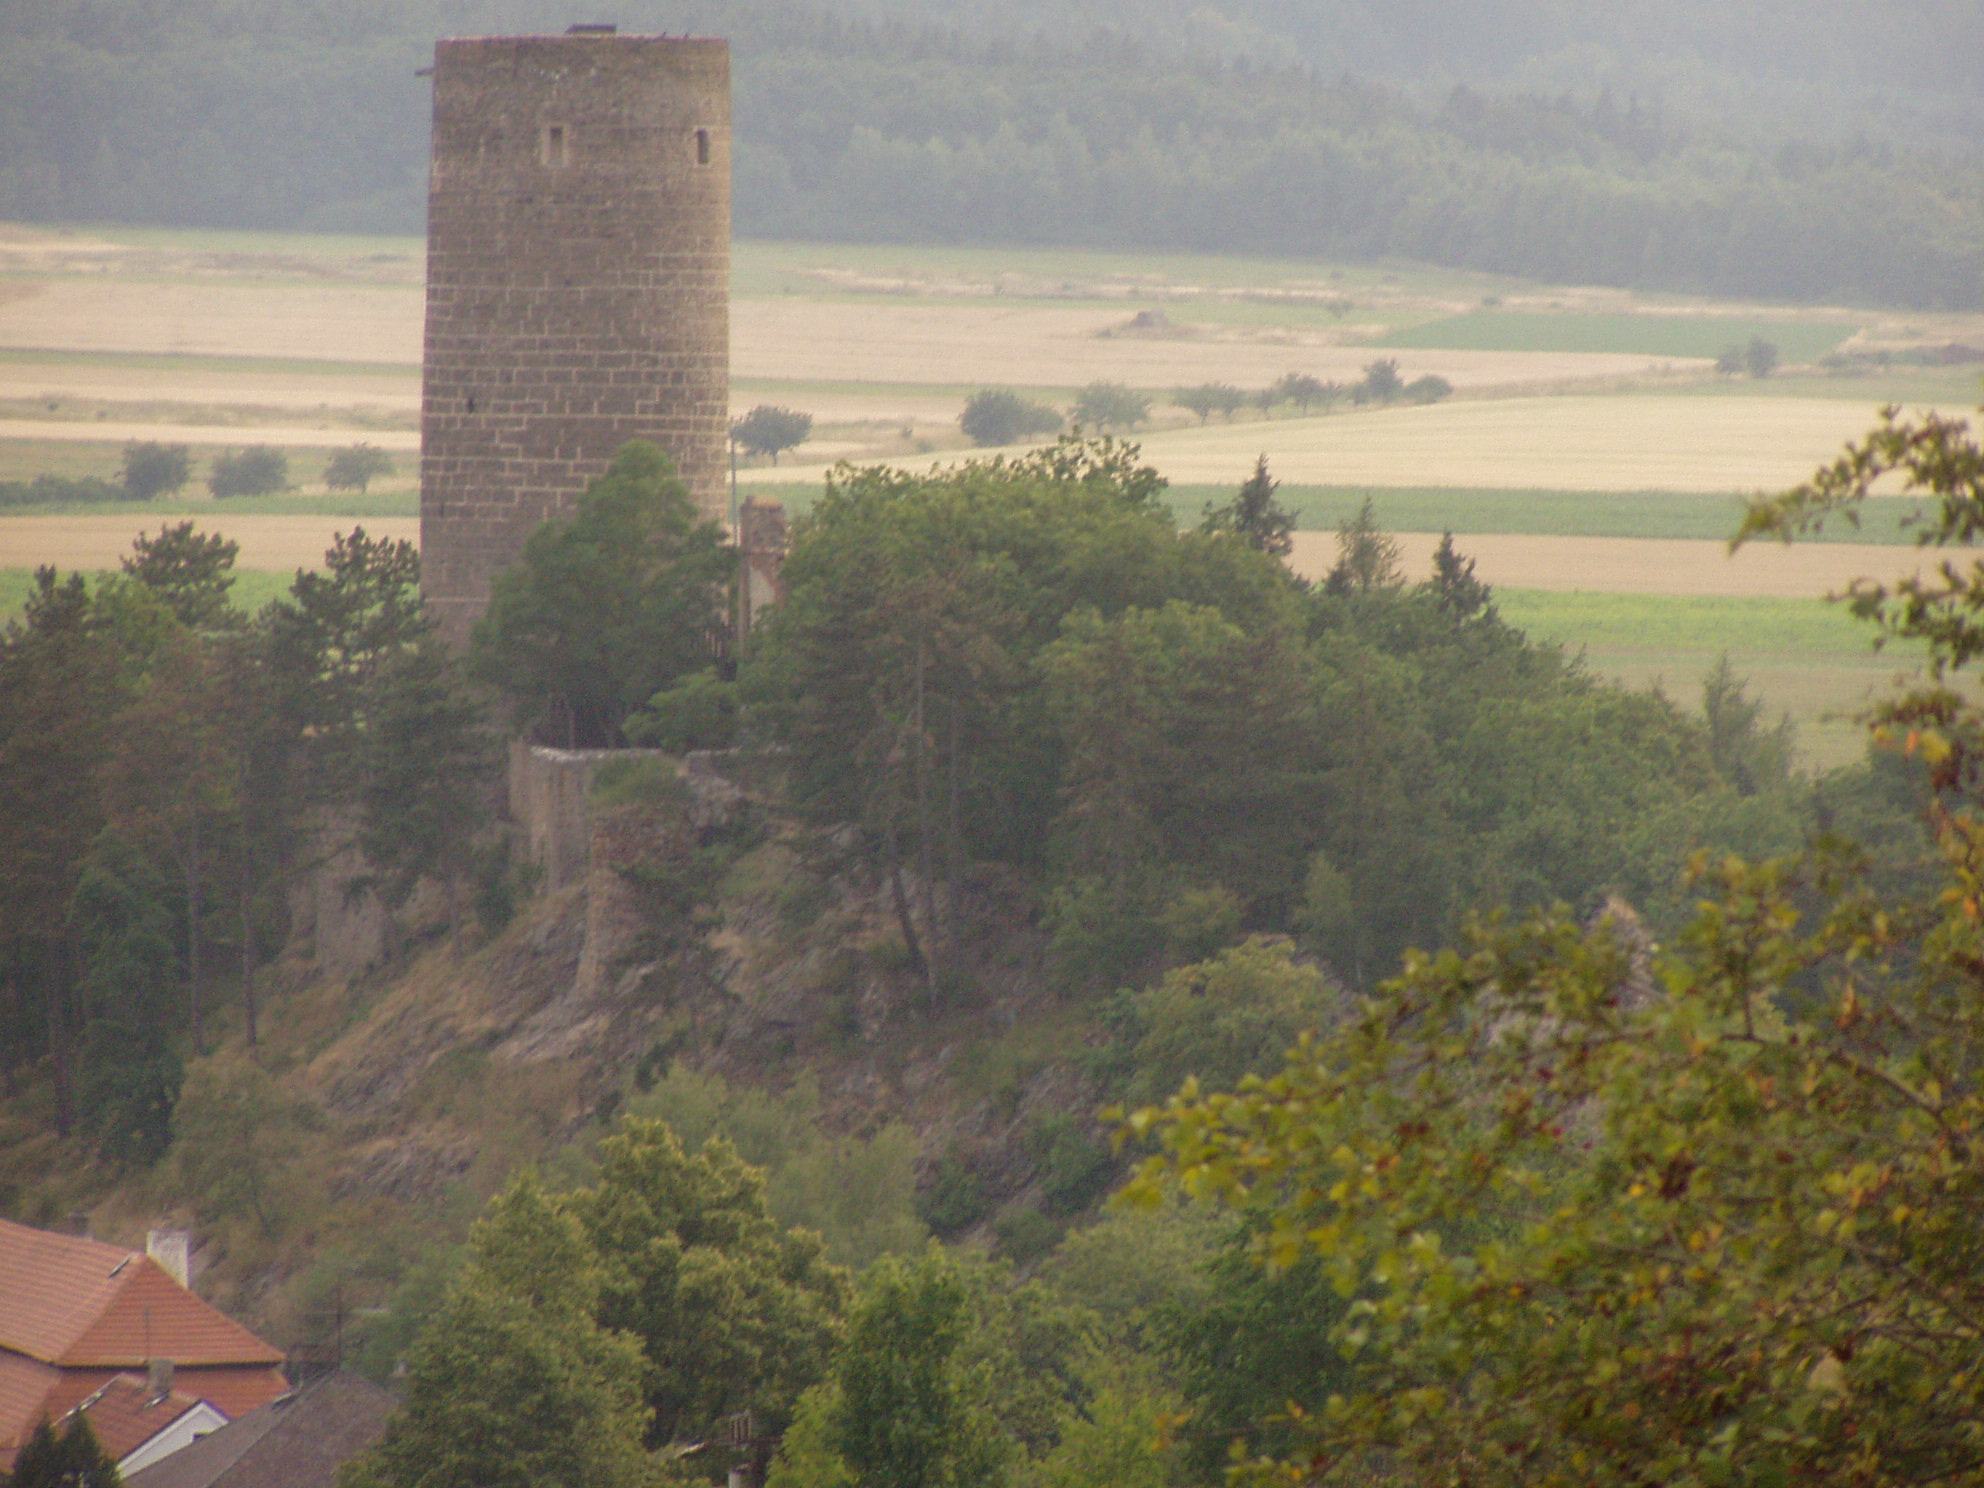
75	1313
125	1414
77	1302
24	1390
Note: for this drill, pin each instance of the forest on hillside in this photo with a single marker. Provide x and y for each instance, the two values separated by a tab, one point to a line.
1688	147
1503	1066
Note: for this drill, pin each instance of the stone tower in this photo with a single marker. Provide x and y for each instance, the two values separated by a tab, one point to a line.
578	266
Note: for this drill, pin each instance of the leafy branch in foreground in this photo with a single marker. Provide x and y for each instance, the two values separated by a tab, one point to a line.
1605	1212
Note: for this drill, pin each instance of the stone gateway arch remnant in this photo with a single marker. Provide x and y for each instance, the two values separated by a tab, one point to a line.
578	266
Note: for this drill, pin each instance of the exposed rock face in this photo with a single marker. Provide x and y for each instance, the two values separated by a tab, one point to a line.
790	959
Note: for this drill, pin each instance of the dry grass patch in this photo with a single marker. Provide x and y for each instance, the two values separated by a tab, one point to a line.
1627	442
66	383
347	323
267	542
990	344
1624	443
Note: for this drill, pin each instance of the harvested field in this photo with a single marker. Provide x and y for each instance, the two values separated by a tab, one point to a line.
267	542
790	338
983	345
67	381
343	323
1630	442
1624	565
116	431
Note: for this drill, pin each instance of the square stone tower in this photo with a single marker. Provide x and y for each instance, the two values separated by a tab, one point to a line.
578	283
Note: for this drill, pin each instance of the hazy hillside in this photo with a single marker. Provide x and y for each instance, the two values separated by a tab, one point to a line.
1677	145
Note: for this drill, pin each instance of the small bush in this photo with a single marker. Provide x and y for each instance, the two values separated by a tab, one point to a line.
638	780
1103	405
155	469
1025	1235
698	712
1075	1169
1381	383
1428	389
255	471
60	490
353	469
994	416
1200	922
955	1199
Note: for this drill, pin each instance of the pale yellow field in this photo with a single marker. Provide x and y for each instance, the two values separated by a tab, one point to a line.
1625	442
268	542
989	345
386	393
339	323
790	338
326	435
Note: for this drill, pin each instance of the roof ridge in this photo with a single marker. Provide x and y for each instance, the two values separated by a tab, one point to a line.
63	1326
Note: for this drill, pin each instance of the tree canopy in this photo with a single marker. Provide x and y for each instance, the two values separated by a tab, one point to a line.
1606	1210
606	608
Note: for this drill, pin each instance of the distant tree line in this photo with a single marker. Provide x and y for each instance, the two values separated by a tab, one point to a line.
998	416
877	131
152	469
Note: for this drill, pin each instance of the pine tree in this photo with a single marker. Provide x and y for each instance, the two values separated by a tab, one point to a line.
1263	523
71	1458
513	1385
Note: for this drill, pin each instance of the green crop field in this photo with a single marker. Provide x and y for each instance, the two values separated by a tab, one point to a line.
1649	335
253	588
1806	659
1463	509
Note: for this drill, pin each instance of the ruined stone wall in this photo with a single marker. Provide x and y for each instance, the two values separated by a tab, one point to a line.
578	263
550	795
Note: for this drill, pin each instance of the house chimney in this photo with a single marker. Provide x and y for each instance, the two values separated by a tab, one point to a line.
173	1250
77	1224
158	1378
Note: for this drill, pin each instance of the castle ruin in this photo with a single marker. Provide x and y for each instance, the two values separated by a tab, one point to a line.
578	265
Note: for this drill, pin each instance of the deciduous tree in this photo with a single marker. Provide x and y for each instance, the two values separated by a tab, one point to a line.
1610	1212
994	416
152	469
355	467
769	430
259	470
607	607
1106	405
514	1385
732	1312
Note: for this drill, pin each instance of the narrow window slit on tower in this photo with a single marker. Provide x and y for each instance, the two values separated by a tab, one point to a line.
702	147
554	144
